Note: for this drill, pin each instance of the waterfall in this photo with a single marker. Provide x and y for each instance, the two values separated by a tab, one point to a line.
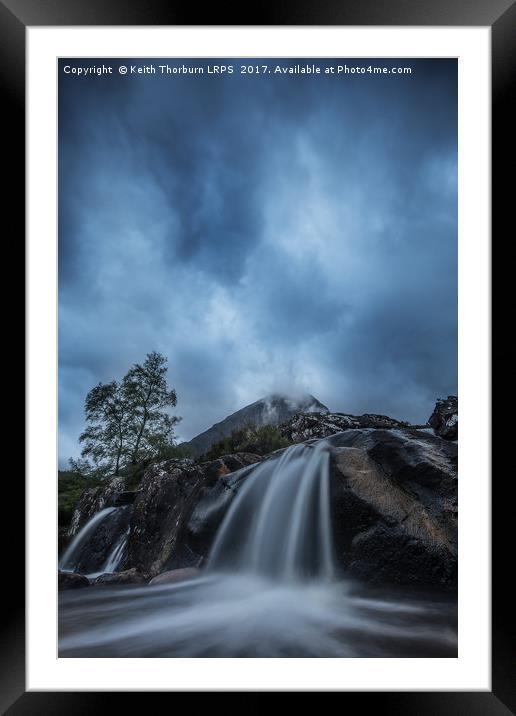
116	555
69	559
279	523
100	546
269	589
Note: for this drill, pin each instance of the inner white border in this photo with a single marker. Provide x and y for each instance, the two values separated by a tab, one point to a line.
471	670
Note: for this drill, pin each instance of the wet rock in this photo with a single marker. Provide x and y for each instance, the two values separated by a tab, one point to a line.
71	580
163	535
128	576
445	418
393	495
124	498
307	426
209	504
394	506
175	575
63	540
94	499
393	503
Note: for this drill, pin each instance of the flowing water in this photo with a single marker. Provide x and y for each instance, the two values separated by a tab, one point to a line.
69	560
116	556
270	588
279	523
104	555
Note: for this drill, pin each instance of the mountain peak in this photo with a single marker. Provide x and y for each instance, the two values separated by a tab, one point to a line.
273	409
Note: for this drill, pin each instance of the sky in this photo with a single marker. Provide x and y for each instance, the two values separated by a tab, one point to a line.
265	232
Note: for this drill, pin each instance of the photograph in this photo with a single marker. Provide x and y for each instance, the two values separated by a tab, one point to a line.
257	357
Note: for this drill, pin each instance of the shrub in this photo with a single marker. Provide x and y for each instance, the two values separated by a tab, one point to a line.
259	440
70	486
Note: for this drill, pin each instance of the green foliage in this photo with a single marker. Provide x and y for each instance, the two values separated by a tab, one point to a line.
70	486
127	421
178	452
150	428
259	440
108	413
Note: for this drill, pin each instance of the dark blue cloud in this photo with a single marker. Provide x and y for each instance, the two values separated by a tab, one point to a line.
265	233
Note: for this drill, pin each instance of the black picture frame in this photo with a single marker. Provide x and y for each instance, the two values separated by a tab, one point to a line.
500	16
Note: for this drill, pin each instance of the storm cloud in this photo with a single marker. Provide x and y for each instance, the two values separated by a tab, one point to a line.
265	233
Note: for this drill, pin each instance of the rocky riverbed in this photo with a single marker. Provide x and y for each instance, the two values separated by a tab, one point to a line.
375	496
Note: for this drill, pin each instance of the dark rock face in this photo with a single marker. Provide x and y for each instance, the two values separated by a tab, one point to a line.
394	506
393	503
445	418
165	533
129	576
71	580
307	426
123	498
63	540
84	510
94	499
272	410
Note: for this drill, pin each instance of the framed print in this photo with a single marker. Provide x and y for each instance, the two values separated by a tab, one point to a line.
258	285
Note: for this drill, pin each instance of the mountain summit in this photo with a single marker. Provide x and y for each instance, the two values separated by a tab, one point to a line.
272	410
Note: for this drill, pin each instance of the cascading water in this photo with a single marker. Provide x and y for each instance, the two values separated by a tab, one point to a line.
68	561
269	589
116	555
279	523
99	546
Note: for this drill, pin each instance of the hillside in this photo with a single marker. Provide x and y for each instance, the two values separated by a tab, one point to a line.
274	409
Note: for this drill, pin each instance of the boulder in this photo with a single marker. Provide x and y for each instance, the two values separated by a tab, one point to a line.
128	576
177	510
71	580
126	497
445	418
307	426
175	575
94	499
393	494
394	506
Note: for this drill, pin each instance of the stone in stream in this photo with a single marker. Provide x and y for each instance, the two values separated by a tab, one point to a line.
394	506
178	509
128	576
175	575
71	580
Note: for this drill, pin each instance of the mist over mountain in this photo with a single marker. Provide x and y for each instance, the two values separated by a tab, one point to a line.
273	409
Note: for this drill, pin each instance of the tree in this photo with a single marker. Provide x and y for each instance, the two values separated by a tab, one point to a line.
145	391
127	420
105	438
